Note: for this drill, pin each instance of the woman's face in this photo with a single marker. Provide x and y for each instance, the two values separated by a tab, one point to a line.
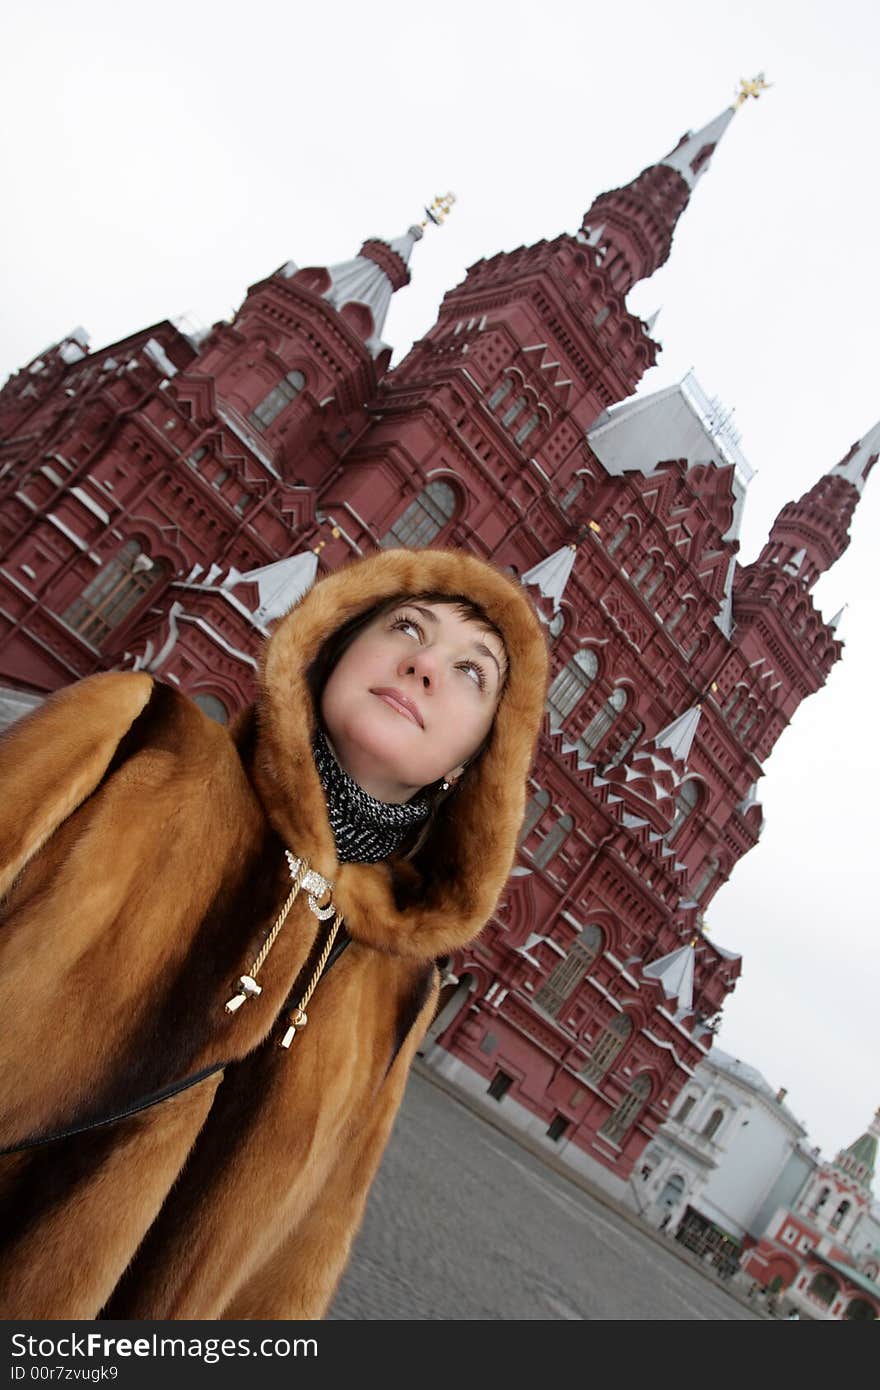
412	698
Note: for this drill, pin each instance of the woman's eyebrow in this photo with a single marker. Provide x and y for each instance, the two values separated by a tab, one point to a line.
486	651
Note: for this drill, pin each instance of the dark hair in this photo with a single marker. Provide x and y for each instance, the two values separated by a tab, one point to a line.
333	648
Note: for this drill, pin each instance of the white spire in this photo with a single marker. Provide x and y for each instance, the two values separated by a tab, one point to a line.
651	323
280	585
685	158
551	574
679	735
676	974
835	621
855	466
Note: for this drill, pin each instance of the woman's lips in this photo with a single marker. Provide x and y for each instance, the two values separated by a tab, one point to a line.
397	700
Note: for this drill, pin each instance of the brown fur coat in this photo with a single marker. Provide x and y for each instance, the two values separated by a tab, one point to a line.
142	863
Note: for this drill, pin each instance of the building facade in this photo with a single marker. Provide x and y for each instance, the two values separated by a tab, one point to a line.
165	498
727	1156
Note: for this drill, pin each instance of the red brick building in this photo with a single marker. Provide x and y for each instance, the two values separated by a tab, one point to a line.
166	497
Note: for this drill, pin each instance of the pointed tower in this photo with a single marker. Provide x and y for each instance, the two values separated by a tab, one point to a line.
809	535
304	352
631	228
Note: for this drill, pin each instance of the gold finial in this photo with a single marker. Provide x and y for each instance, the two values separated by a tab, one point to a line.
752	88
439	210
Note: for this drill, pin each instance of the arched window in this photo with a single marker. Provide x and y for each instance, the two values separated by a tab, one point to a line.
213	707
643	571
534	811
607	1047
513	410
600	723
618	539
501	392
859	1310
573	493
708	872
631	1105
686	799
567	975
685	1109
553	841
566	690
525	430
823	1287
676	617
281	395
116	589
820	1201
673	1191
837	1219
653	583
713	1124
423	519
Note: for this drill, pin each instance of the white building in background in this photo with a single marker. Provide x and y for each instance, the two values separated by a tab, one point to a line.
729	1155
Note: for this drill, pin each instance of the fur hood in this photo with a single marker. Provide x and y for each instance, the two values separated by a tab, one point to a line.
472	845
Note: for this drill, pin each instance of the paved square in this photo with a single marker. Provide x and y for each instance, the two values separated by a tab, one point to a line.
463	1223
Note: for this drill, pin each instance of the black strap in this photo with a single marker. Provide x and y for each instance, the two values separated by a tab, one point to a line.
166	1092
145	1102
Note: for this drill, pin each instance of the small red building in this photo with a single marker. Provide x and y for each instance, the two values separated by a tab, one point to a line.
164	498
817	1250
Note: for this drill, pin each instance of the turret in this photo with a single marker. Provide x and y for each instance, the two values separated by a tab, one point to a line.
809	535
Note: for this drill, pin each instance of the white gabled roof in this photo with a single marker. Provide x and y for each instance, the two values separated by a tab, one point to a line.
676	974
551	574
679	422
280	585
678	736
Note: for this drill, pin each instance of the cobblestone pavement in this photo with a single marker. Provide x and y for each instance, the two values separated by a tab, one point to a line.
464	1223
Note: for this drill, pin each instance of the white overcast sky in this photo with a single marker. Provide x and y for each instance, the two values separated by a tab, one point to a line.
157	159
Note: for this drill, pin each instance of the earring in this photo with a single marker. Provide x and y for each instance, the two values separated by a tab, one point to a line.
444	785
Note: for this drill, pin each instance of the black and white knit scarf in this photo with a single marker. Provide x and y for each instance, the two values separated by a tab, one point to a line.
365	830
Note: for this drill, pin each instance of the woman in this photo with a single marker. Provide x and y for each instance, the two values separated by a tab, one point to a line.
200	1065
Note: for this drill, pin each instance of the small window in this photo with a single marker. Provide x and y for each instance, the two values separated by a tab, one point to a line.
501	1084
602	722
565	977
713	1124
525	430
607	1048
567	688
558	1126
423	519
628	1111
114	592
534	811
281	395
685	803
685	1109
501	392
618	539
553	841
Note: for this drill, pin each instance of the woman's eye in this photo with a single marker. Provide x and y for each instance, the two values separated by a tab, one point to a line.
476	673
409	626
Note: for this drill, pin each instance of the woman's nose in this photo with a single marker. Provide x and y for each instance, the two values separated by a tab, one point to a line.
423	666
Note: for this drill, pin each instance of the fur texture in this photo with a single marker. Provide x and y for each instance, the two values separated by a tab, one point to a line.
142	861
